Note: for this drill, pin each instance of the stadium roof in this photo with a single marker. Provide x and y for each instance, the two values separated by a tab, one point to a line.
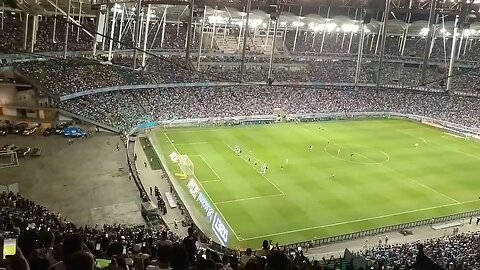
230	15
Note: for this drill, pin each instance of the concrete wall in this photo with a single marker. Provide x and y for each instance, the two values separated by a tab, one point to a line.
7	96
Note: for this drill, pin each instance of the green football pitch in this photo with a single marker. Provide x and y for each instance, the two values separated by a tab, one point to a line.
358	175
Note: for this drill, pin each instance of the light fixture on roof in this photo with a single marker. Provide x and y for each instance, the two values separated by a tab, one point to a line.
468	32
424	31
215	19
298	24
330	26
255	23
349	27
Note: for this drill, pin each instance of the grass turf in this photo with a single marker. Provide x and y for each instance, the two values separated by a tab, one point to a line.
326	192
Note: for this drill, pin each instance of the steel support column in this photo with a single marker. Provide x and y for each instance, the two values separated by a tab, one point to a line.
200	42
189	32
79	20
145	36
136	35
164	24
55	23
272	53
112	33
384	38
65	48
452	55
245	34
25	31
360	53
433	5
122	18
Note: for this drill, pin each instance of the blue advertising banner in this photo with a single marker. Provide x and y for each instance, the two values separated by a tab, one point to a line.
213	217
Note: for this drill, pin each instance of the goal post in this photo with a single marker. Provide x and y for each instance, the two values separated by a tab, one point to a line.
186	165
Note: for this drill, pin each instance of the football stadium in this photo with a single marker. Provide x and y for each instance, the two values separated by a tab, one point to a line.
239	134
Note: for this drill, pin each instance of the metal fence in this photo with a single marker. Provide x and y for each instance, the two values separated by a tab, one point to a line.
381	230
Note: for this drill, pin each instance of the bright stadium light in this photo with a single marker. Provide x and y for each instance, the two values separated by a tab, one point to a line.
424	31
317	28
331	26
255	23
348	27
298	24
216	19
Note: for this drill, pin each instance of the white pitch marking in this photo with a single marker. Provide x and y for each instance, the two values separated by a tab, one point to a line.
192	143
359	220
206	193
282	193
418	183
248	199
209	181
216	174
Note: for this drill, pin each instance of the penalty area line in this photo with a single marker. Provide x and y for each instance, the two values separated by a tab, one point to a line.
214	172
205	191
209	181
248	199
275	186
192	143
360	220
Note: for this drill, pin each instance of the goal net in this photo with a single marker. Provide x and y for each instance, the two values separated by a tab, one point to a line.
8	159
186	165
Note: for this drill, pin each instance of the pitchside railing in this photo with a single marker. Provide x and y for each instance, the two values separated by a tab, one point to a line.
382	230
245	120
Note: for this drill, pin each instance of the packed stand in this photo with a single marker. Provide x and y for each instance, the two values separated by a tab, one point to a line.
62	77
182	103
458	251
12	34
46	43
81	74
47	241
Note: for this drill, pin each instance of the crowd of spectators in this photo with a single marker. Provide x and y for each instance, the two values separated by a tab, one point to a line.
63	77
48	241
126	109
458	251
12	35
